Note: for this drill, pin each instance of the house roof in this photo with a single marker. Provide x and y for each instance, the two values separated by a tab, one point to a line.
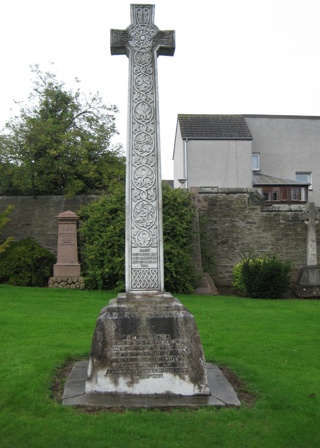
260	179
284	117
213	127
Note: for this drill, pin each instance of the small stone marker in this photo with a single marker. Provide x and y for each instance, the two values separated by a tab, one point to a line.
66	272
145	342
308	283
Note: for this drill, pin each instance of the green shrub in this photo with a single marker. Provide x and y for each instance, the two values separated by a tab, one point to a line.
178	215
264	277
26	263
102	239
3	222
237	280
102	236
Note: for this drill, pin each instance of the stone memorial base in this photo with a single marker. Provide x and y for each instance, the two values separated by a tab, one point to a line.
76	282
308	283
146	345
222	394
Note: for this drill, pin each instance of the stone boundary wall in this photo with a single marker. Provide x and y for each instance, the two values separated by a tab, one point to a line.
235	220
237	224
35	216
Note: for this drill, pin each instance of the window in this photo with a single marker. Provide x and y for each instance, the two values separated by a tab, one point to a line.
275	194
266	195
255	161
285	194
305	176
299	194
295	194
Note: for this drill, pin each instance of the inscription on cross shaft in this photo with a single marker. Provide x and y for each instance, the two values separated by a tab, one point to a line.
142	42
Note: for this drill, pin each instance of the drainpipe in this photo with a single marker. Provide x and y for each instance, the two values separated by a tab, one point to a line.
185	163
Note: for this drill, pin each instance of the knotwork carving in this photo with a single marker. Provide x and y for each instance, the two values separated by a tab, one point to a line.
143	176
142	42
144	278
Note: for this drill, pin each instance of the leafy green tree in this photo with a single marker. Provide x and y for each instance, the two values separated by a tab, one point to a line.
102	237
60	143
3	222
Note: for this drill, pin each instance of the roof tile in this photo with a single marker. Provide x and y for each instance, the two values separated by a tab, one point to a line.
214	127
260	179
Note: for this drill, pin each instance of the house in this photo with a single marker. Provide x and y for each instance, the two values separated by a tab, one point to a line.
277	154
277	191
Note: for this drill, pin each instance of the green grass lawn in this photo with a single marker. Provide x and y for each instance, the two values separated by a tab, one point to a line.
272	345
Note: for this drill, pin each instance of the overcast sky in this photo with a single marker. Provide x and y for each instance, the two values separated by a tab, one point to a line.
232	56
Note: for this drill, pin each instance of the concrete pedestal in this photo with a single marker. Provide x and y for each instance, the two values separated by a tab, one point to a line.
146	345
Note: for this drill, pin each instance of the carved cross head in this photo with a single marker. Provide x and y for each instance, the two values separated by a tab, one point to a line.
310	214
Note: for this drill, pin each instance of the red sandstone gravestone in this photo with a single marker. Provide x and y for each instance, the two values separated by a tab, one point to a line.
66	272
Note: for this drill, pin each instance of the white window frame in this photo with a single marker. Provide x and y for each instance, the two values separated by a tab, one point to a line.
305	176
256	165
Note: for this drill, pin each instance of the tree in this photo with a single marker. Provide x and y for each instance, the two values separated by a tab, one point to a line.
60	143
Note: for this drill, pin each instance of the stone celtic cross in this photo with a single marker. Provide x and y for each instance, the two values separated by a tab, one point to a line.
143	42
310	217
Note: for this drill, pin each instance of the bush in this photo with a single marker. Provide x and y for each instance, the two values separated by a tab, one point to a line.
178	219
237	280
3	222
102	235
26	263
264	277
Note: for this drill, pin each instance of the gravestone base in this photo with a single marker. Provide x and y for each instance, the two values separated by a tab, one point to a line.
146	345
74	282
222	394
308	283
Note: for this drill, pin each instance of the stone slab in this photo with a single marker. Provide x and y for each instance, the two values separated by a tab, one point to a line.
222	394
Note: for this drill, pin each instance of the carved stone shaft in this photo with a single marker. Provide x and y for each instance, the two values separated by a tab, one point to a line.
310	217
142	42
